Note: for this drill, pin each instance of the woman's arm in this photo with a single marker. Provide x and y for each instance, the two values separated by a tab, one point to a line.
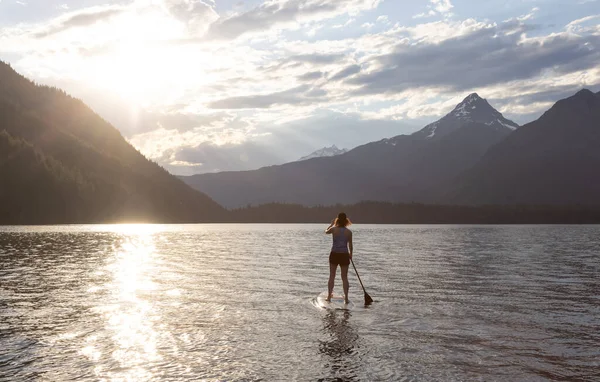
350	246
330	228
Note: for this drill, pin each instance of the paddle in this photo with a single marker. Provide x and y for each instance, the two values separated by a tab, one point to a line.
368	299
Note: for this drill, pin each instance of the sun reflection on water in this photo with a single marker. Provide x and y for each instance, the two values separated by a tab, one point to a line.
129	313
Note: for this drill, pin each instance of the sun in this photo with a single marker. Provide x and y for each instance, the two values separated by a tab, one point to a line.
135	74
144	58
140	64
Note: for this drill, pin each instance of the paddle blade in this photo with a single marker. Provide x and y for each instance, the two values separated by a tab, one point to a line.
368	299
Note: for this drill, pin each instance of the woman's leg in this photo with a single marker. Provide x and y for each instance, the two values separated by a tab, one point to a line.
332	272
345	281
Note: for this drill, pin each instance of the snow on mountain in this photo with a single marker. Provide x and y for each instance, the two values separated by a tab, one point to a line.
472	109
551	161
325	152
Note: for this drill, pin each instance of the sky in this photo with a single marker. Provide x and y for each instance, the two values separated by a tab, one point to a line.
210	85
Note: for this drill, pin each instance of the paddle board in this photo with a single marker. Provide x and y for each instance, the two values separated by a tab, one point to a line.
337	302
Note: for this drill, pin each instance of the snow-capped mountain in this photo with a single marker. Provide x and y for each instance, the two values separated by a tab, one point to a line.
553	160
405	168
325	152
471	109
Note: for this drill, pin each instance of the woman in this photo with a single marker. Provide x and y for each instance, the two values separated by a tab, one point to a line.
341	253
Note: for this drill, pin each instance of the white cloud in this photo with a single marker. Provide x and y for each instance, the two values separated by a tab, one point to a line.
436	7
263	74
578	26
438	31
441	6
313	30
274	15
383	19
430	13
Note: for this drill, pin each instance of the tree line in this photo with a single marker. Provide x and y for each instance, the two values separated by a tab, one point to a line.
414	213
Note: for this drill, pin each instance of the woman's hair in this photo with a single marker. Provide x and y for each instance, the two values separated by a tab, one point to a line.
342	220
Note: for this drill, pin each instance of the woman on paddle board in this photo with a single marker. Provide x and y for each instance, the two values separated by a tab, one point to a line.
341	253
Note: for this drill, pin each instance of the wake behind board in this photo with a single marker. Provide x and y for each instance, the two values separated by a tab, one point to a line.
336	303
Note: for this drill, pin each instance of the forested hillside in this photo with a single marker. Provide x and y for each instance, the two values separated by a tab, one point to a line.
62	163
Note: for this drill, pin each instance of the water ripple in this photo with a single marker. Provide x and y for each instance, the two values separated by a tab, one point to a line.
233	302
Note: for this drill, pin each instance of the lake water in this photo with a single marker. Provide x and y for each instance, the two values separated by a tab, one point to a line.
234	303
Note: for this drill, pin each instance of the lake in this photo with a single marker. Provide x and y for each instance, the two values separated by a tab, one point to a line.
235	303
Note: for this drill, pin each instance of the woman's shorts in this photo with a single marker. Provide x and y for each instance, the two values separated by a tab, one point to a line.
339	258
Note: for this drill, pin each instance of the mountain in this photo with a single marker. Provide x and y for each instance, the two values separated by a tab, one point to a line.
325	152
553	160
398	169
472	109
62	163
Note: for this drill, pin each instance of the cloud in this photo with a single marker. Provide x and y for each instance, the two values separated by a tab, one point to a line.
528	16
80	19
346	72
576	26
181	122
383	19
296	96
315	58
284	13
441	6
436	7
166	139
430	13
274	144
250	76
548	96
197	15
208	157
484	55
310	76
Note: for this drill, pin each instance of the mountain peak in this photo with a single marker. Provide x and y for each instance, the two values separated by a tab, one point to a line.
470	103
325	152
582	96
472	109
582	103
473	97
584	93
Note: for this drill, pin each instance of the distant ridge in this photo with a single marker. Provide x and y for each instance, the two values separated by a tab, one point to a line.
62	163
398	169
325	152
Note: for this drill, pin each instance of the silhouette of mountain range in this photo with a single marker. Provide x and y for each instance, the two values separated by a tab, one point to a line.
62	163
554	160
402	168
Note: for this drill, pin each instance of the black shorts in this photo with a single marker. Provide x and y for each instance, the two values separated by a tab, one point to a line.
339	258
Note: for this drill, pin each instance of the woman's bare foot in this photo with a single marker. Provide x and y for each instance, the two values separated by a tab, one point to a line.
346	301
328	299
